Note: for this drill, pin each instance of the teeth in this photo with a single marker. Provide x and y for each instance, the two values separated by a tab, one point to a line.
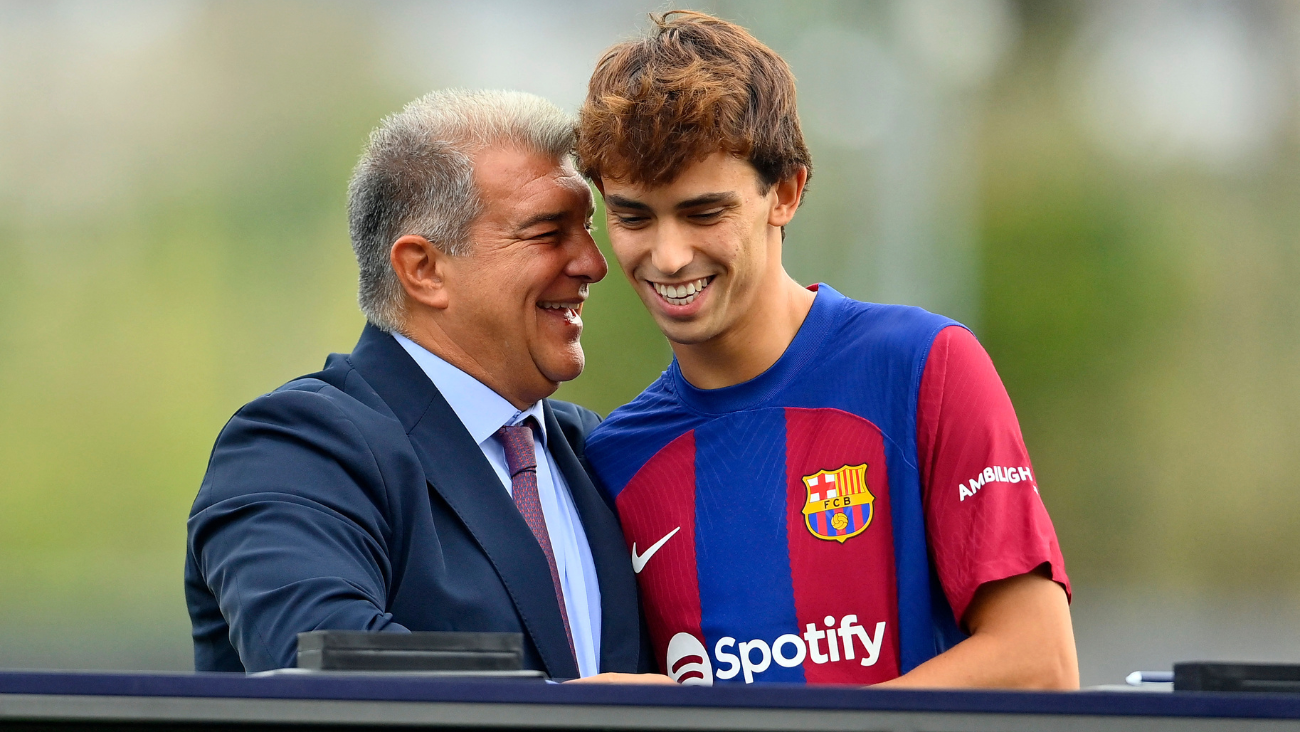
683	294
568	309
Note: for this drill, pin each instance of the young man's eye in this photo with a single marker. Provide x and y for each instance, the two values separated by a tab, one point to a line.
631	220
706	215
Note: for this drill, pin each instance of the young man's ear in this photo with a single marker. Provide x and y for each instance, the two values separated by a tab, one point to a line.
421	267
789	192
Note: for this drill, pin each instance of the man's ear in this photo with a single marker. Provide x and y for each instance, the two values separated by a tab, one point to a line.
789	193
421	267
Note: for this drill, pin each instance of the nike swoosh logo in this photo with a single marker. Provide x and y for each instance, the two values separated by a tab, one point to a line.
638	563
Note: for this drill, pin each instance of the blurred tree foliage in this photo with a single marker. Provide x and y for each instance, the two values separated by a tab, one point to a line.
1143	322
141	305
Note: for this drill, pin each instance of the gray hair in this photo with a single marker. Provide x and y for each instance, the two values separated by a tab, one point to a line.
416	177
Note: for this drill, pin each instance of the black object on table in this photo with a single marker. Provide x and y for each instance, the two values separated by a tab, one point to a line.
350	650
1257	677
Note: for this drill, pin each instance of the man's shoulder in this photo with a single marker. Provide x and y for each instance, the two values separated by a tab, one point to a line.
317	424
330	414
576	422
575	415
634	432
336	391
646	411
891	326
879	341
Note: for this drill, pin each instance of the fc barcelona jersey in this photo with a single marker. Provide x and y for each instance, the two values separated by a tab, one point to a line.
815	524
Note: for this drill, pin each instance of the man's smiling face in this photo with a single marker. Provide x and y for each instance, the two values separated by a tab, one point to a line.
696	250
516	297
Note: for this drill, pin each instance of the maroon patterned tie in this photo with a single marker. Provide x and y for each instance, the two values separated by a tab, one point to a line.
522	462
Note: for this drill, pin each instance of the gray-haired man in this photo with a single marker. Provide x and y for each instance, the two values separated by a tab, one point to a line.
425	481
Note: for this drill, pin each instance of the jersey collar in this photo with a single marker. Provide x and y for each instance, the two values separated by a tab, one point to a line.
802	350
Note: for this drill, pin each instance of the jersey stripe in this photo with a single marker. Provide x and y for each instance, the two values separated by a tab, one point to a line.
659	499
829	576
741	535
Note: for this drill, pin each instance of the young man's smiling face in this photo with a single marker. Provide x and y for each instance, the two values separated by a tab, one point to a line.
700	250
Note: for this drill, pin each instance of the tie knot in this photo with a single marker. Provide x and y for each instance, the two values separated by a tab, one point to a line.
518	442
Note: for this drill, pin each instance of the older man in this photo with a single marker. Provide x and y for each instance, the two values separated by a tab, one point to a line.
424	481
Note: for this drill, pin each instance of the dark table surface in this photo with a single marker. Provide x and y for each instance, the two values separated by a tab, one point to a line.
48	697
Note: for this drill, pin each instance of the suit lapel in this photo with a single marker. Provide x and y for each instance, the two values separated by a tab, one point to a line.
460	474
619	619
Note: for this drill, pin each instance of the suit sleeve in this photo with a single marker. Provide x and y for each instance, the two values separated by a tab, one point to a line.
984	516
289	528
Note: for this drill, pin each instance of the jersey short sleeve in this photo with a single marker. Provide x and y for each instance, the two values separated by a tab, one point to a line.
984	516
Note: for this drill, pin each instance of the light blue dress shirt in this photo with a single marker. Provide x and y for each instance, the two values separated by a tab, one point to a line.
483	412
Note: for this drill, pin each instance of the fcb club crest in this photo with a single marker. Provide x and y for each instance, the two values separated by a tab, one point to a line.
839	506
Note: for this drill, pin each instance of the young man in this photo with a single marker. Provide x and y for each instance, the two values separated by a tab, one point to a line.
817	489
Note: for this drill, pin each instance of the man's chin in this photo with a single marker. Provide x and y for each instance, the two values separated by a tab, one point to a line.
685	334
559	368
690	331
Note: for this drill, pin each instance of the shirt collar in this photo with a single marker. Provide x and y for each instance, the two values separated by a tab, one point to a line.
480	409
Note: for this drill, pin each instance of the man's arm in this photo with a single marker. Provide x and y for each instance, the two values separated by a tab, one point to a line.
288	529
992	542
1021	638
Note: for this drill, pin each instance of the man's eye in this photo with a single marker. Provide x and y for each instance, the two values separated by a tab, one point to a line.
631	220
589	225
707	215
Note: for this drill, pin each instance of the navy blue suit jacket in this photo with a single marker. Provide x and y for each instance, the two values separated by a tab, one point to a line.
354	498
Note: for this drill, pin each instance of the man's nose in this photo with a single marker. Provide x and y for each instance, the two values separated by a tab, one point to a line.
670	252
588	263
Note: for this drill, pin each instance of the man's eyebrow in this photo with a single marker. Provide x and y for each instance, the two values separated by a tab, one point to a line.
727	197
704	199
532	221
622	202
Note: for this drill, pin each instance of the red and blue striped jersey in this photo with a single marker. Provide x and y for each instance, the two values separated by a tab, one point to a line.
778	527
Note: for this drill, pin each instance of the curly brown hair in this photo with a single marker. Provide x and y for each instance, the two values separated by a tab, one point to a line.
695	86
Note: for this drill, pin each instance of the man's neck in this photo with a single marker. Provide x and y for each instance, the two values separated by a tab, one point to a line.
432	338
753	344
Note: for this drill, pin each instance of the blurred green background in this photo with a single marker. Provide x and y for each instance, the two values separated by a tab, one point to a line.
1107	193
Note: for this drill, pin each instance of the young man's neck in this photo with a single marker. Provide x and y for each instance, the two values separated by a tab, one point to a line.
753	344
